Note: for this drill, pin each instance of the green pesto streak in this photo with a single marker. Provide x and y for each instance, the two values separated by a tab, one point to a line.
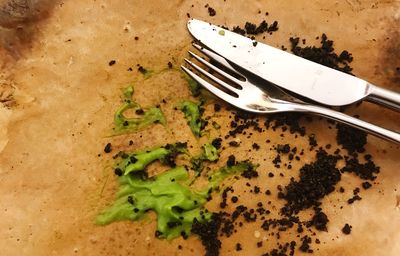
193	116
209	153
194	87
168	195
139	160
124	124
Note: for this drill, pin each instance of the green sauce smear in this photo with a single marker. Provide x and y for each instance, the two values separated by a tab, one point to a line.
138	161
209	153
194	87
148	117
176	204
192	111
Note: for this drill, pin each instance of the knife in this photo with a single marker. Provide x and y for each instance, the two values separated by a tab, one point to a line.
293	73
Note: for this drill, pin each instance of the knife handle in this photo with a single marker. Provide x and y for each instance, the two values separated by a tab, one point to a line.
352	121
384	97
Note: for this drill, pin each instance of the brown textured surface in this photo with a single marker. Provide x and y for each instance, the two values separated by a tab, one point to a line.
61	94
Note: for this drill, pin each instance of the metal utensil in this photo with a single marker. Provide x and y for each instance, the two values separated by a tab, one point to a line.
246	95
303	77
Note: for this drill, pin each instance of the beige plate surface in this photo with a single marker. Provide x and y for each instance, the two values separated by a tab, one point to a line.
59	93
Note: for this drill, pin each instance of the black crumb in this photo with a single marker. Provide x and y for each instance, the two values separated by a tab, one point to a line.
238	247
231	161
320	220
312	141
108	148
255	146
285	121
211	11
366	185
324	54
346	229
169	64
234	143
366	171
208	233
239	30
142	69
118	172
283	148
353	199
250	173
252	29
350	138
112	62
305	245
217	143
317	179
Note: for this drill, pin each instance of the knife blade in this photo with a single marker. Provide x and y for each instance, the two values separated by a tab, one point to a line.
293	73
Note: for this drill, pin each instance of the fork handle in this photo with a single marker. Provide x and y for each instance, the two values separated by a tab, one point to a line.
352	121
385	97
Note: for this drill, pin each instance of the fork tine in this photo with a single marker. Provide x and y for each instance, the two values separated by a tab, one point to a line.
219	71
217	92
213	78
212	55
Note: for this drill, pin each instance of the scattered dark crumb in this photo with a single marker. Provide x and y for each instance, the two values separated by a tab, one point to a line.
234	144
290	120
346	229
250	173
353	199
118	172
312	141
136	38
217	143
217	107
139	111
142	69
112	62
283	148
324	54
238	247
317	179
255	146
366	185
305	245
320	220
231	161
239	30
208	233
211	11
350	138
365	171
169	64
108	148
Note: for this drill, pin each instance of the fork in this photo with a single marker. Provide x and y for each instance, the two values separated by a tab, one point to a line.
246	93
